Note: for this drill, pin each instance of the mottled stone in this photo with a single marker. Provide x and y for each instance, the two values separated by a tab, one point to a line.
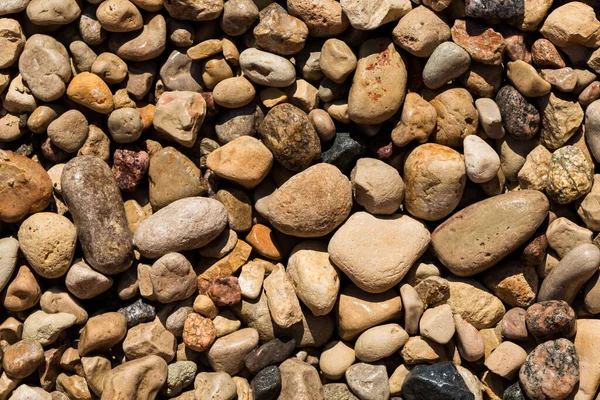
288	133
550	371
492	10
520	118
198	332
483	43
129	166
137	313
225	291
561	118
549	320
571	175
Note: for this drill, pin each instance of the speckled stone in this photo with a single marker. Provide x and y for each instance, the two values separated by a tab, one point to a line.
137	313
520	118
289	134
344	151
551	319
130	166
225	291
198	332
483	43
266	385
514	392
494	9
439	381
571	175
550	371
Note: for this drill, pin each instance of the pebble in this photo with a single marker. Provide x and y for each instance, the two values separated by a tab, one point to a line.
336	358
417	121
251	280
173	278
337	61
570	175
560	119
447	62
421	31
291	149
299	380
437	324
267	383
592	131
180	375
179	116
481	160
149	338
281	33
365	16
571	24
435	177
513	325
323	19
474	303
315	280
23	292
456	117
527	80
185	224
267	69
48	242
106	250
21	359
111	68
344	152
413	308
472	245
225	291
381	68
490	117
244	160
84	282
368	382
360	248
564	235
551	370
44	66
46	328
137	313
129	167
30	392
506	359
358	311
283	303
380	342
26	187
437	381
271	353
377	186
142	45
552	319
172	176
141	378
469	341
233	92
11	42
534	172
513	282
198	332
564	79
483	43
305	217
102	332
228	352
520	118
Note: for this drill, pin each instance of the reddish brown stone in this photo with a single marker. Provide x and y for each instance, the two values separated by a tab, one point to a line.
25	187
550	371
589	94
484	44
225	291
198	332
263	241
211	107
513	325
534	252
545	55
129	166
551	319
53	153
516	48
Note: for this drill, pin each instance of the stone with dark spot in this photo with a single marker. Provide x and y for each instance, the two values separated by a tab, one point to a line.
271	353
535	251
130	166
291	137
266	385
514	392
344	151
439	381
52	152
225	291
550	371
551	319
137	313
483	43
486	9
520	118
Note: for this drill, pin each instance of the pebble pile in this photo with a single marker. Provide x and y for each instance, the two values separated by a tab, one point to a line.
299	199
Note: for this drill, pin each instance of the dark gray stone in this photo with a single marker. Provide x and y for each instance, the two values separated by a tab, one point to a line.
514	392
266	385
137	313
494	9
344	152
270	353
439	381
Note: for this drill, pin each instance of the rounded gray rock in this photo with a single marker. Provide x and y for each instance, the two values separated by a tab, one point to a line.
447	62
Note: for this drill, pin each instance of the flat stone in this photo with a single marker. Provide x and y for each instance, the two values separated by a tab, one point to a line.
483	43
358	261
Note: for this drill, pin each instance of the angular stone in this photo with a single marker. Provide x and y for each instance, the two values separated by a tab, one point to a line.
474	303
520	118
369	382
436	382
560	119
483	43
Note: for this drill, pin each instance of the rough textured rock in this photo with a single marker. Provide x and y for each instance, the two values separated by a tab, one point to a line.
520	118
571	175
474	303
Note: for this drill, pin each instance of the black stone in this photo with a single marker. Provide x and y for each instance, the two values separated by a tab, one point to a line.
344	152
439	381
514	392
137	313
520	118
270	353
494	9
266	385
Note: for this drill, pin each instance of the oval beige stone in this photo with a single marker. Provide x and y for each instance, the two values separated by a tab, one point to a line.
380	342
377	252
479	236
